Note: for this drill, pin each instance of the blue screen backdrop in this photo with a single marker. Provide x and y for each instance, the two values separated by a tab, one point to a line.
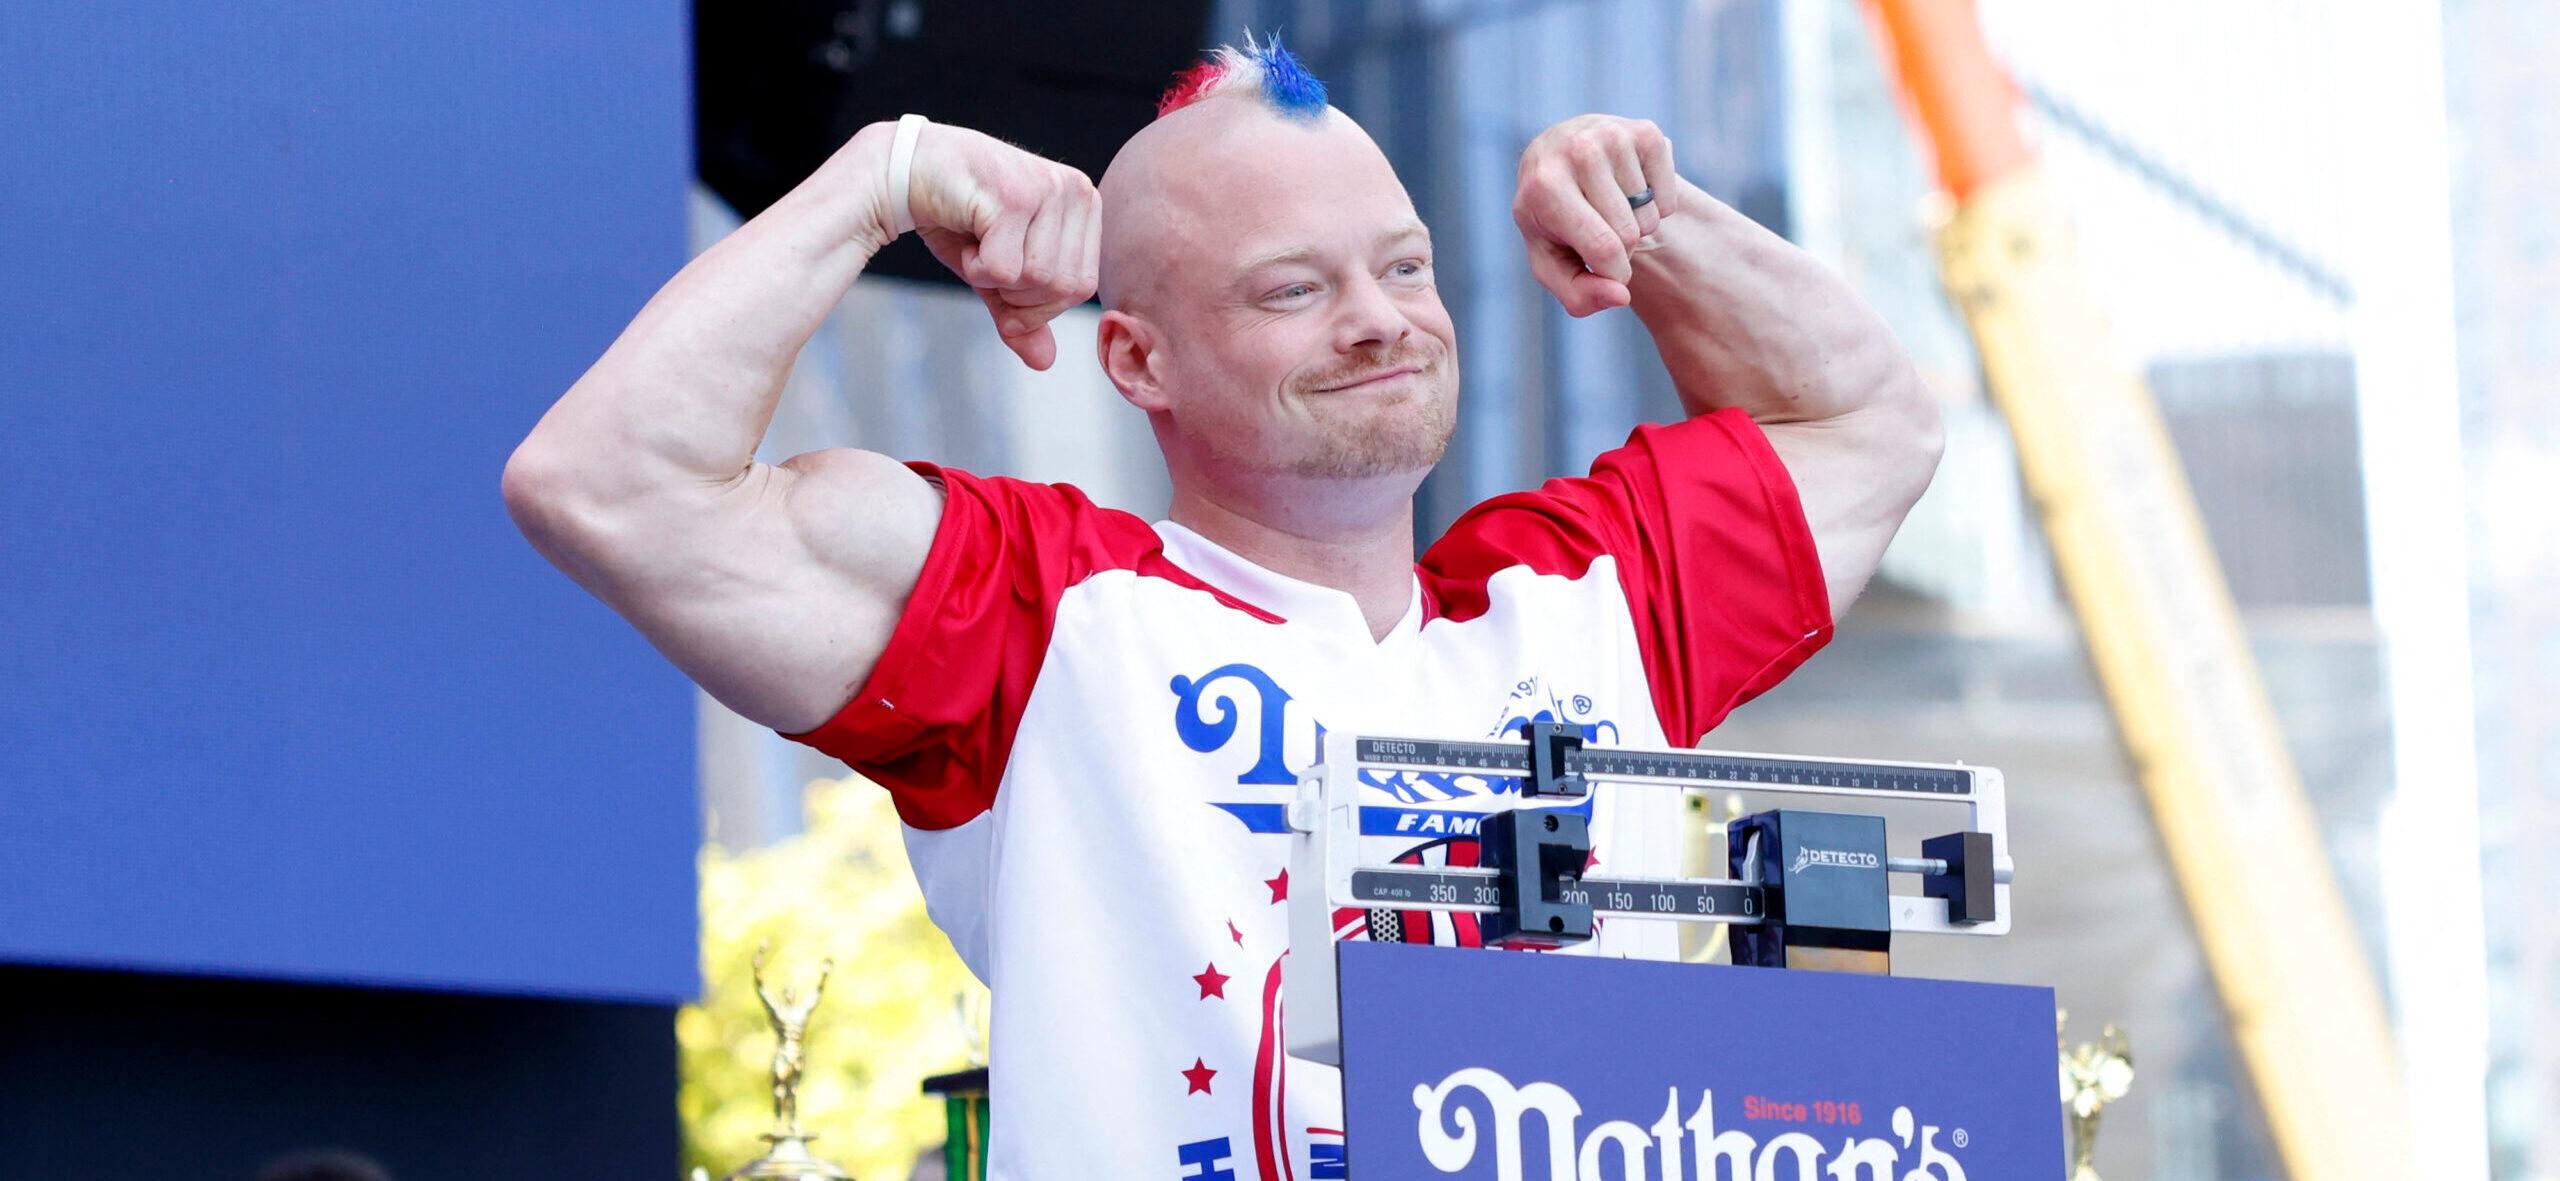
282	692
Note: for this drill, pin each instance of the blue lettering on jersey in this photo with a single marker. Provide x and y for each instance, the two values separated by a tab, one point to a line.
1602	730
1203	1158
1326	1162
1418	822
1208	716
1428	822
1202	733
1414	787
1257	817
1575	709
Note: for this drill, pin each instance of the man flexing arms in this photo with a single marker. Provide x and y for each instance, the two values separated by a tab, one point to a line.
1088	721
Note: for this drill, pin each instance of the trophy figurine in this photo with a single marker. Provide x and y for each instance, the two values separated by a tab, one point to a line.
2093	1075
789	1156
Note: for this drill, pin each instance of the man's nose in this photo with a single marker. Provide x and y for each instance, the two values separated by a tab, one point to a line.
1369	318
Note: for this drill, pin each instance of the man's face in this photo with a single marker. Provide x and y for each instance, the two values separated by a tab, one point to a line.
1302	329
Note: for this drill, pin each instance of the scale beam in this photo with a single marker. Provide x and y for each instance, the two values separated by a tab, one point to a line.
1529	889
1482	891
1685	768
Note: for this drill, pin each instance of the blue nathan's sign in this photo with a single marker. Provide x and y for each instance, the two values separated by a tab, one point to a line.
1528	1067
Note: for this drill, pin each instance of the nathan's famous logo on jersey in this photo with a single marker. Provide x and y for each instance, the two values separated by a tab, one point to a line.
1532	700
1240	707
1451	1136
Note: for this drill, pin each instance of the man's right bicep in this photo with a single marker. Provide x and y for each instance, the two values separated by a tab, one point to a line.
779	598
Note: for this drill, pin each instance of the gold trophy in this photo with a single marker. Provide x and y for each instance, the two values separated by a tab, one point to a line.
2093	1075
789	1157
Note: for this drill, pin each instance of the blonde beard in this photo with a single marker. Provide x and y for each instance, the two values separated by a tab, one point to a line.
1353	438
1407	437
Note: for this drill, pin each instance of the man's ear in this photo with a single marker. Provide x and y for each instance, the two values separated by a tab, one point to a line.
1127	348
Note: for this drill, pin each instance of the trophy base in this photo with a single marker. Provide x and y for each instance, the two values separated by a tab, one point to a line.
789	1160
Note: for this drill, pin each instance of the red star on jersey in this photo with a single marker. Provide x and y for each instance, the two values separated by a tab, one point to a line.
1237	935
1279	886
1199	1076
1213	983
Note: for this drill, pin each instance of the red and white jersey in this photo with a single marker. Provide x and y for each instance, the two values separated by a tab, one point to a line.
1090	725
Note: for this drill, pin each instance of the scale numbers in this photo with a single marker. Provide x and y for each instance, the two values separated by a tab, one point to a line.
1481	891
1738	770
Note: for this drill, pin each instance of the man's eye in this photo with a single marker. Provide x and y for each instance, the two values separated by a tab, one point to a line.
1294	291
1411	267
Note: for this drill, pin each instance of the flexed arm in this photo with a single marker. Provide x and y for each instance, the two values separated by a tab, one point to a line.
1743	319
776	586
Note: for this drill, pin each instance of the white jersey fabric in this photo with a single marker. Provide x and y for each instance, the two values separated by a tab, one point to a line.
1090	726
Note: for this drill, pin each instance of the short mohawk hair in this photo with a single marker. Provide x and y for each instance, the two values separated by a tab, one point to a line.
1277	73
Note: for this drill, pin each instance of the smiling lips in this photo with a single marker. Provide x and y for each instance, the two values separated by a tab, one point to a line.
1372	379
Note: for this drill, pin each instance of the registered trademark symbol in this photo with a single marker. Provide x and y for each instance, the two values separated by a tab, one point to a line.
1961	1138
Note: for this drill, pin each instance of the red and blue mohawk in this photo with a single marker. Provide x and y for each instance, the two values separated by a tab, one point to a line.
1282	79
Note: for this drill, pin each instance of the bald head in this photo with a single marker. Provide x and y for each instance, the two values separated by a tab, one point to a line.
1188	188
1268	300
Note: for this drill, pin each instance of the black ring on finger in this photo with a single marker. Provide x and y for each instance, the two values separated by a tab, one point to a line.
1640	198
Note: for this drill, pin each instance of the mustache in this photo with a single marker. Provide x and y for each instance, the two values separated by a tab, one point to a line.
1416	359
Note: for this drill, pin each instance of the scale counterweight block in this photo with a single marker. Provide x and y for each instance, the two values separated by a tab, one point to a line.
1539	849
1969	885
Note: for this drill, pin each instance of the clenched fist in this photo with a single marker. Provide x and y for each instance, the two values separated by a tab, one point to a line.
1025	232
1574	205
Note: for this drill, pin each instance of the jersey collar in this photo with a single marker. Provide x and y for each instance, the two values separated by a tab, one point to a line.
1294	600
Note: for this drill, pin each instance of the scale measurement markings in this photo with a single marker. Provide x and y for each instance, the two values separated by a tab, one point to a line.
1512	758
1480	890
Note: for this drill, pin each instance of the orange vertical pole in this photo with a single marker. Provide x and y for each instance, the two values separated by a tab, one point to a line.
1963	101
2305	1011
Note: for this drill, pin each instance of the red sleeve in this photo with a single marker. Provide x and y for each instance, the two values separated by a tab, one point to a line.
935	721
1710	545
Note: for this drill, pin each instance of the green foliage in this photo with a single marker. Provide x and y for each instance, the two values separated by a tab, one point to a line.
842	889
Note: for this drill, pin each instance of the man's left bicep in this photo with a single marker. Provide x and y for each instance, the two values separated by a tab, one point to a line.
1857	476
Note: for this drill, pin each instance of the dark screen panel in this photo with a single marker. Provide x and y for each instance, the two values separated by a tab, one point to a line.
781	84
115	1074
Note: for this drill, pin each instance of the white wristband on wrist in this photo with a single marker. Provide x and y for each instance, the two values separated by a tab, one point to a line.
902	158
